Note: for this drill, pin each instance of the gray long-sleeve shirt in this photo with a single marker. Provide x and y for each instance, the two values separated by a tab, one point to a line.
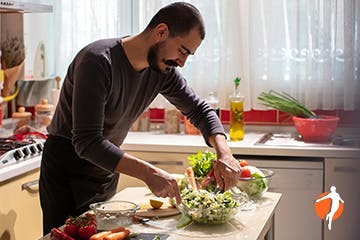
102	95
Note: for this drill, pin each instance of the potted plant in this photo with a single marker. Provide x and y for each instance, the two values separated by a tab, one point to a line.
12	61
311	127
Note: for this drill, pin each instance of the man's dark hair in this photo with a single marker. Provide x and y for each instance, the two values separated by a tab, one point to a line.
180	17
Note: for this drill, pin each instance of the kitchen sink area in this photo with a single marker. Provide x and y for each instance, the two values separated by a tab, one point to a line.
295	140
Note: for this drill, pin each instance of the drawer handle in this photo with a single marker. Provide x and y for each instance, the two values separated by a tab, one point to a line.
170	163
28	186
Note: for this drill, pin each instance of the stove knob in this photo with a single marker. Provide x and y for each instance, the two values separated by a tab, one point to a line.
18	154
26	151
39	146
33	149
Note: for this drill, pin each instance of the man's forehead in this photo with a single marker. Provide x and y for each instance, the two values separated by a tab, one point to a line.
191	41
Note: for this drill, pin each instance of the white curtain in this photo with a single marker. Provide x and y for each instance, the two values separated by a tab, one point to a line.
79	22
307	48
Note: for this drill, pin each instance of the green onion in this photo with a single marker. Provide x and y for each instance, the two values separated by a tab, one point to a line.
285	103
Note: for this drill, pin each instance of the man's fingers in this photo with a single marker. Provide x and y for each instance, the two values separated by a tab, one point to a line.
219	179
177	196
229	179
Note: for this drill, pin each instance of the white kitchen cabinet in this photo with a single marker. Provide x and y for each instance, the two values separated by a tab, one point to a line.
344	174
299	180
170	162
20	211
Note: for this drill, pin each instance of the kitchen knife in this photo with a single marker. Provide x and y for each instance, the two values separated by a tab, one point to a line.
149	222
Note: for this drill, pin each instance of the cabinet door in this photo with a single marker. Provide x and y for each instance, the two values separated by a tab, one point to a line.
20	211
299	182
344	174
170	162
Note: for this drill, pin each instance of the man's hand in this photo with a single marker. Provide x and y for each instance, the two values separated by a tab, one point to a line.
161	183
227	168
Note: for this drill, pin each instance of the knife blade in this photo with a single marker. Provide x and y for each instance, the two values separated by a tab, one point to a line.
149	222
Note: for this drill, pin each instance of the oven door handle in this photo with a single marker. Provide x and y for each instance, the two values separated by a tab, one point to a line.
29	186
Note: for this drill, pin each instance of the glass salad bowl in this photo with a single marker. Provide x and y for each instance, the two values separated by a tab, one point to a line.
207	207
255	185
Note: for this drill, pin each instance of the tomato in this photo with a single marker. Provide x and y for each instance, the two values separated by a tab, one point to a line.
245	173
243	163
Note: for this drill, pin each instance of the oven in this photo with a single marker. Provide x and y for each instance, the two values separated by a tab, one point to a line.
14	150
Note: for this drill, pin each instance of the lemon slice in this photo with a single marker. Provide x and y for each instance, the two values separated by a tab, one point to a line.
156	203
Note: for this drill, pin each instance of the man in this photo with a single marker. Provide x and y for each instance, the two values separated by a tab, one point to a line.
108	85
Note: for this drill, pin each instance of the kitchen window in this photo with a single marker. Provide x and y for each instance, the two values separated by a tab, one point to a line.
307	48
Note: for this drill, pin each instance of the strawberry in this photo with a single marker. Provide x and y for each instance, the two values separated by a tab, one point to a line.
86	231
71	226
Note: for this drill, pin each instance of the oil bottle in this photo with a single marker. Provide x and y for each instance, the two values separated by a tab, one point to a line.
236	113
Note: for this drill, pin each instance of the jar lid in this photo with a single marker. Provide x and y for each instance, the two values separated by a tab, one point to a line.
21	113
43	106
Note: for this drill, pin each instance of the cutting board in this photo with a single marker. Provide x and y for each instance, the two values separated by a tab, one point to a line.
149	212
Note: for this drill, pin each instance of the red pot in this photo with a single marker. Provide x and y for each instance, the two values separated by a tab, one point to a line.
316	129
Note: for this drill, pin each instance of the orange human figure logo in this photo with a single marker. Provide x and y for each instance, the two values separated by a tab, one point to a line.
329	206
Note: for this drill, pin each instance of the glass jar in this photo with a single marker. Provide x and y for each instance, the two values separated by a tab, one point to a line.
20	118
43	114
144	121
171	121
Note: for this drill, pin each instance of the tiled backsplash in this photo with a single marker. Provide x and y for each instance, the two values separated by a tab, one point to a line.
271	117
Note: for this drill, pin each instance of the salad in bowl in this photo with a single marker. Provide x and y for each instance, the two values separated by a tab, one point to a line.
253	181
206	207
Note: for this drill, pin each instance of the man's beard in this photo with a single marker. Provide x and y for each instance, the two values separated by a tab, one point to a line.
153	59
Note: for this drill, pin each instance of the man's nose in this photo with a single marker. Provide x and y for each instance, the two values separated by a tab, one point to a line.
181	61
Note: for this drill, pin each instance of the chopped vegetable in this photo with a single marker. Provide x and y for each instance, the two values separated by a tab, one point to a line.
285	103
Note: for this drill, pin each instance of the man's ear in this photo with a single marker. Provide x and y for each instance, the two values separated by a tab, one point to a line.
161	31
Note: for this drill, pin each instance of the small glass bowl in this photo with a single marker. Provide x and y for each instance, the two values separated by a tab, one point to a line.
253	187
112	214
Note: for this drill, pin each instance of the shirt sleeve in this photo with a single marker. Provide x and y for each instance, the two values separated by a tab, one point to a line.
184	98
91	83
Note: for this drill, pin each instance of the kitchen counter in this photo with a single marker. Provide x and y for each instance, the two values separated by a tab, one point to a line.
181	143
251	224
